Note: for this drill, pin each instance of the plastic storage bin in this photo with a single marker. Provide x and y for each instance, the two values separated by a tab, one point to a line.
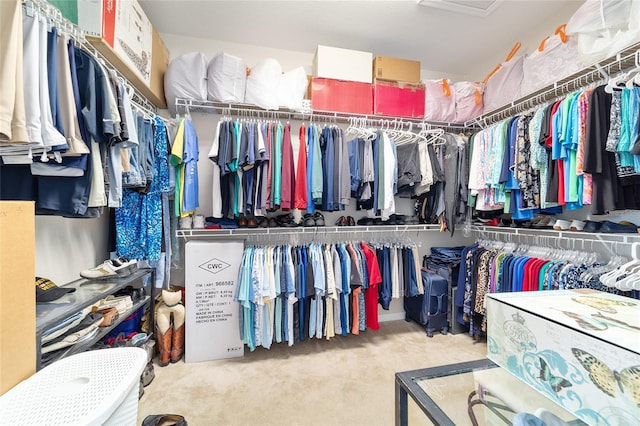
90	388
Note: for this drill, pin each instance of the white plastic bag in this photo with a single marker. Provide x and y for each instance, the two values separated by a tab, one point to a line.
226	78
263	83
555	59
604	28
502	85
186	77
292	88
468	100
440	100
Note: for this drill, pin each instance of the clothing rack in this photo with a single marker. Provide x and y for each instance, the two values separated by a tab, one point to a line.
336	233
626	59
54	18
627	245
187	106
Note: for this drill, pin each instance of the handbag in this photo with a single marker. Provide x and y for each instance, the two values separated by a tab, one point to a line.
555	59
440	100
502	85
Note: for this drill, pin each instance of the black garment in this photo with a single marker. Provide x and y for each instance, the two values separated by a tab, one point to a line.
600	163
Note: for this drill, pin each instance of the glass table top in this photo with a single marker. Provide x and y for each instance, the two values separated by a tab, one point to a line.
476	393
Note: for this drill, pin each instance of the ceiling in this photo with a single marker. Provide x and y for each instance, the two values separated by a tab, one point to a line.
445	39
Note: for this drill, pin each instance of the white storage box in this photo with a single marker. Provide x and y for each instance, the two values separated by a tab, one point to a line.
579	348
91	388
226	78
343	64
186	77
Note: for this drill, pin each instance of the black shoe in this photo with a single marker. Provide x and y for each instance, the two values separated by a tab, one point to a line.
286	220
317	216
165	420
308	220
342	221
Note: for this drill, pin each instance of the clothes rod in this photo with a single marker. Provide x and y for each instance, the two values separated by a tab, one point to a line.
187	106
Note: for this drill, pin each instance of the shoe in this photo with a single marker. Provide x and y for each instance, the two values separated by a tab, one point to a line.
577	225
365	221
186	222
198	221
252	222
272	222
286	220
411	220
562	225
351	221
308	220
242	221
148	374
177	344
111	268
609	227
317	216
164	420
263	222
494	222
164	346
543	222
342	221
109	315
592	226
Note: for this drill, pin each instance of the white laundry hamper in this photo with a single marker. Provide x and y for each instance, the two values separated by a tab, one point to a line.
91	388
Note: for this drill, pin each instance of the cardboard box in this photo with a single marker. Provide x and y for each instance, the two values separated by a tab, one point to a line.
124	27
398	99
342	64
17	293
120	30
341	96
579	348
212	317
394	69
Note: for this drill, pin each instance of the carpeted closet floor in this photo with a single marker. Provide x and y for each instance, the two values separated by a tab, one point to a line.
343	381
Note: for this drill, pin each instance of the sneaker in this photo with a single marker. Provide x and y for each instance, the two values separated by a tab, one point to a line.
577	225
186	222
111	268
198	221
562	225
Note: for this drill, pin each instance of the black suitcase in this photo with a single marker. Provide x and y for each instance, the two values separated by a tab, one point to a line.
430	309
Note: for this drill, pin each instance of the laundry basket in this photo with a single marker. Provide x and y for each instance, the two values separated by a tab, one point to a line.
91	388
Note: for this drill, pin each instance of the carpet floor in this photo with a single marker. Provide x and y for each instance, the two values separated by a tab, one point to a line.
344	381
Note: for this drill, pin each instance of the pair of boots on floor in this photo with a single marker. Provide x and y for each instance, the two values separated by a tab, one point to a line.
170	336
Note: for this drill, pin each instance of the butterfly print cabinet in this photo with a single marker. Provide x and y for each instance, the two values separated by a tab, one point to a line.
579	348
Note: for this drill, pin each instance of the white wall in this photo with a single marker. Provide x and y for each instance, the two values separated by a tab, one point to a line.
64	247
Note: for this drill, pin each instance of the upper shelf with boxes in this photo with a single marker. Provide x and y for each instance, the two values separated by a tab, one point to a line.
123	34
345	83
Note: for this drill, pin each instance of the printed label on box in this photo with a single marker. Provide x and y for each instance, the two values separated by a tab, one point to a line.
212	316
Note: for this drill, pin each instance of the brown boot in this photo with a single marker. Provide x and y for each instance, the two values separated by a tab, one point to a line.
164	346
177	347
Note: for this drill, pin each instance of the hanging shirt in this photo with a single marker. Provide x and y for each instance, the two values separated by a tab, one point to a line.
300	193
287	195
